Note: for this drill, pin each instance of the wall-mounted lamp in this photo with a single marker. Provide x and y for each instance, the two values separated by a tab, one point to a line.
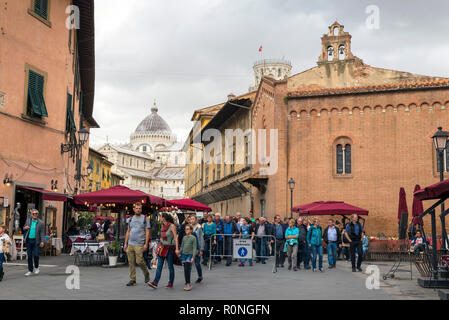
8	180
54	185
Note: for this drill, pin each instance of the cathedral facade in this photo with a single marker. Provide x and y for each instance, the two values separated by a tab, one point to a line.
153	160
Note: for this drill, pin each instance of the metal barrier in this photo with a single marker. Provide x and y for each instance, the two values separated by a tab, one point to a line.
231	255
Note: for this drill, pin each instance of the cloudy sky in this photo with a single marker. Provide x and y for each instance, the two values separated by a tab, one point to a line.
190	54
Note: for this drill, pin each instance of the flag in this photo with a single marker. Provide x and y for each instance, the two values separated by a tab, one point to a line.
260	49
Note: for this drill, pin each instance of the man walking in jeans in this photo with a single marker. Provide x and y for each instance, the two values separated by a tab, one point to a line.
331	237
136	243
34	239
278	231
262	230
354	233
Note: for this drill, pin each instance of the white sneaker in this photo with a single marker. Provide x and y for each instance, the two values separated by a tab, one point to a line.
36	271
29	273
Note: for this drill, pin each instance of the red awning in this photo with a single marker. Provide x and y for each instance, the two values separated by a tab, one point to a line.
305	207
48	195
327	208
117	194
438	190
188	204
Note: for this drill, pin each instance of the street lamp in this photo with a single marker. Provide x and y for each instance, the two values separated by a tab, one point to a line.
291	185
440	142
83	136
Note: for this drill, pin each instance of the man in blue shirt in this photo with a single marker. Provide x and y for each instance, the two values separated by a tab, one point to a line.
354	233
34	239
230	230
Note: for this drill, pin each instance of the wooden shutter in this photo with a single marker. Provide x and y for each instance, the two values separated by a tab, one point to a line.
36	95
41	8
70	122
347	159
339	159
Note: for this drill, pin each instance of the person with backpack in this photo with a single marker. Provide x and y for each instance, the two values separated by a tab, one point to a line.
198	233
354	234
136	243
315	241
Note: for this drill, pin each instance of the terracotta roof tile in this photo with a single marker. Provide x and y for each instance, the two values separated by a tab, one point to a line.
442	83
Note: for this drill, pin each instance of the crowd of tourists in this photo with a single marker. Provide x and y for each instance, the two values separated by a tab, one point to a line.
195	242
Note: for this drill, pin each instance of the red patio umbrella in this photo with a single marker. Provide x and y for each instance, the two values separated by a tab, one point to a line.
305	207
417	208
435	191
327	208
117	194
188	204
402	208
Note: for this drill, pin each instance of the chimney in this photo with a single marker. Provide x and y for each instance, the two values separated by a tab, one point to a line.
231	96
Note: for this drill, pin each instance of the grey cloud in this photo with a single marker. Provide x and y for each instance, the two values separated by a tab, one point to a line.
191	54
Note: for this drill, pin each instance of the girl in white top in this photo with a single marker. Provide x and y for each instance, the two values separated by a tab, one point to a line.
5	241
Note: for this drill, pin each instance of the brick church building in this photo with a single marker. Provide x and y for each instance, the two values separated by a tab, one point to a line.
350	132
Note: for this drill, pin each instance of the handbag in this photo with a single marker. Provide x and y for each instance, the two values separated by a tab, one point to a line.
162	250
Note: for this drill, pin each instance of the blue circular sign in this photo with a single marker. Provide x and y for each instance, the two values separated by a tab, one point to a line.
243	252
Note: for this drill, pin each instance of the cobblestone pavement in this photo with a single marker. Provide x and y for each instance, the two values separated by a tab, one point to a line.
221	282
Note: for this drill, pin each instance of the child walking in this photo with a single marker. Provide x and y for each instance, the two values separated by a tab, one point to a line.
188	252
5	240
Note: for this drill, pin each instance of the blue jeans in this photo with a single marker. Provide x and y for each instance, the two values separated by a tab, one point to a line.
198	266
160	265
2	258
261	248
32	252
332	253
306	252
317	250
187	271
244	260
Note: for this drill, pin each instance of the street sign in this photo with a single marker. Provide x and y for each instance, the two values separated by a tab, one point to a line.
243	249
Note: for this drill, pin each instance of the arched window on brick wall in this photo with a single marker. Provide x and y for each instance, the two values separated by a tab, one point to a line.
343	156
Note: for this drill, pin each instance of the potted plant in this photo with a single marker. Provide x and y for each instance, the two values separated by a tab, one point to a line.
114	250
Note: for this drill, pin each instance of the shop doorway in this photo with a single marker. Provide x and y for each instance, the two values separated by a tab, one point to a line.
28	200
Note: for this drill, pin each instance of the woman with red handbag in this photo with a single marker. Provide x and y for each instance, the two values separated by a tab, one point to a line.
167	248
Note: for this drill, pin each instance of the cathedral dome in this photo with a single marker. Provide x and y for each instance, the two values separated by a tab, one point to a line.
153	124
152	131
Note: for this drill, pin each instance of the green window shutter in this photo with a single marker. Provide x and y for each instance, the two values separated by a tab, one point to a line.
70	122
41	8
36	95
70	39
